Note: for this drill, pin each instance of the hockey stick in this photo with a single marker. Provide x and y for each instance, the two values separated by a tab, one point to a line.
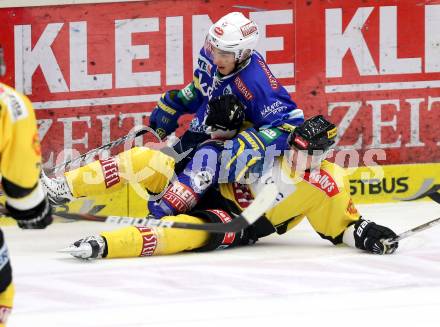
411	232
102	148
426	190
259	206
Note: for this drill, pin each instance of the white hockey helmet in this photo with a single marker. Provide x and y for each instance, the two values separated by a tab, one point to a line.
234	33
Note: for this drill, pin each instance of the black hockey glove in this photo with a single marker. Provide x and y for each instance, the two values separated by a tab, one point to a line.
225	112
36	218
368	236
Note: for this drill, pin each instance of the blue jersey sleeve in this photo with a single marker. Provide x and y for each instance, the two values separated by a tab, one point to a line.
268	102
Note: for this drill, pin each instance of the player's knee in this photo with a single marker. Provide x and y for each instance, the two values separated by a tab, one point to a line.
218	241
152	168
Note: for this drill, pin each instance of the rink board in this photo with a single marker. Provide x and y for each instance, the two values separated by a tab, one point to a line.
93	71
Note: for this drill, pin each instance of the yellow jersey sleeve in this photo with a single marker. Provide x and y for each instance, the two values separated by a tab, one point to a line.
333	211
20	154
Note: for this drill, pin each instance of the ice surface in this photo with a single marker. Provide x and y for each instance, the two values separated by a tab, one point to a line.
292	280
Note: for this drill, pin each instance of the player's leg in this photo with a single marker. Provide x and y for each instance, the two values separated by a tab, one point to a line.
150	168
142	241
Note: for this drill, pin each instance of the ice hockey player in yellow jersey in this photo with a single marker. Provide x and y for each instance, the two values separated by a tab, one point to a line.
20	158
308	187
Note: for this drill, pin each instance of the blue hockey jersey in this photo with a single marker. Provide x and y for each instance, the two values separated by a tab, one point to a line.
267	102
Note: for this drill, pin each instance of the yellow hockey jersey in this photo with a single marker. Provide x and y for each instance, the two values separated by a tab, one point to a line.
20	153
321	195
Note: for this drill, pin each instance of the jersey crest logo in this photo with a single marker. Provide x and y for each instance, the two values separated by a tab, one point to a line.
243	88
323	181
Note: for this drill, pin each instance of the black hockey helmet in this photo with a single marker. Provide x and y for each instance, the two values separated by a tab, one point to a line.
225	112
315	134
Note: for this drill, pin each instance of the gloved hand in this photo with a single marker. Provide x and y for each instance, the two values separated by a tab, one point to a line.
165	115
35	218
369	236
225	112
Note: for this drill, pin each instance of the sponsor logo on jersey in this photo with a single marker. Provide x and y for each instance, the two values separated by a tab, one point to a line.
16	106
218	30
243	88
322	180
272	80
228	238
149	241
110	170
248	29
36	144
274	108
181	197
351	209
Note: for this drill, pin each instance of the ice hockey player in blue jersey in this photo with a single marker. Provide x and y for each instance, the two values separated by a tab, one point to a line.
225	158
227	64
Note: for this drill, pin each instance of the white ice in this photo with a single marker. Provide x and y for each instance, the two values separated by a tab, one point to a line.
292	280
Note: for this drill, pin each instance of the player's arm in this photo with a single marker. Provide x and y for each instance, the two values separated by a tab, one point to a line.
175	103
336	219
20	162
268	102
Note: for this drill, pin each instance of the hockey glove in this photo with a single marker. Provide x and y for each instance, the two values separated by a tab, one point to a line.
369	236
35	218
164	116
225	112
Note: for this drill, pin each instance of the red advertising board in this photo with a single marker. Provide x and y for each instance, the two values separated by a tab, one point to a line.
94	71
